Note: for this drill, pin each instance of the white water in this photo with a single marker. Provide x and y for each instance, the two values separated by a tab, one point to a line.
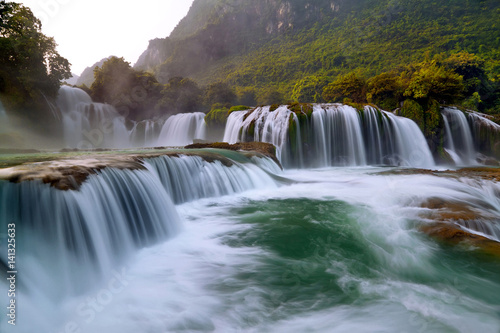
145	133
187	178
182	129
198	281
458	137
89	125
71	242
338	135
269	126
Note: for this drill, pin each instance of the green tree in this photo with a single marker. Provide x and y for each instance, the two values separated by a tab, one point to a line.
350	86
135	94
247	96
30	67
479	90
384	90
309	89
427	85
429	81
270	96
181	95
219	92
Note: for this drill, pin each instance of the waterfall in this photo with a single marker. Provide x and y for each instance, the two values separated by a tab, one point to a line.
145	133
458	137
485	133
337	135
182	129
188	178
82	235
261	125
90	125
68	236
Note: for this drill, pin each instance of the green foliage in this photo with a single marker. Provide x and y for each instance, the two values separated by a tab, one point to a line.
309	89
301	108
413	110
427	116
348	86
284	50
431	81
271	96
219	92
385	90
217	116
135	94
238	108
247	96
181	95
30	67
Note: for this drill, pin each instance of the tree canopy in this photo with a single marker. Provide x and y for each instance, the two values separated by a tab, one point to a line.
30	66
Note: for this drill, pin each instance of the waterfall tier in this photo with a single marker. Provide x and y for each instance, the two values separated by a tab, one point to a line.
333	135
74	239
458	137
89	125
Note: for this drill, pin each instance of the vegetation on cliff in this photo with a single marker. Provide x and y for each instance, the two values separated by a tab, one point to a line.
297	47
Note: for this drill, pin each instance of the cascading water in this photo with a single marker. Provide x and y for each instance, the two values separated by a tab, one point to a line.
458	137
485	133
145	133
261	125
181	129
89	125
338	138
72	241
187	178
337	135
81	235
336	250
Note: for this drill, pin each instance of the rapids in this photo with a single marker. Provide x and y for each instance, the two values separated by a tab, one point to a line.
330	250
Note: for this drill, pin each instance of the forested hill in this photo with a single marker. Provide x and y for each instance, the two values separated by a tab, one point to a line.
271	44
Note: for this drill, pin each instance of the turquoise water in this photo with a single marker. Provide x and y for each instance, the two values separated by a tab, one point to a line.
334	250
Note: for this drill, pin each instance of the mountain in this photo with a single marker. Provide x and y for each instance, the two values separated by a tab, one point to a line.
263	44
87	76
73	79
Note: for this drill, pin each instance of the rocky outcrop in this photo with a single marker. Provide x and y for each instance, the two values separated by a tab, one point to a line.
451	234
263	148
215	29
456	222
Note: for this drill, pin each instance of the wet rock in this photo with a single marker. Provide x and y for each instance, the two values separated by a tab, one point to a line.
452	234
263	148
450	220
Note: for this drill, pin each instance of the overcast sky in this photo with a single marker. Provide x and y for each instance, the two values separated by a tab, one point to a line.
89	30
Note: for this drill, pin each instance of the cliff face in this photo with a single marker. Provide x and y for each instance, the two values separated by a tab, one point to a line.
215	29
262	43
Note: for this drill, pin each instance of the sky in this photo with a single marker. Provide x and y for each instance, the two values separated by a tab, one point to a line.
88	30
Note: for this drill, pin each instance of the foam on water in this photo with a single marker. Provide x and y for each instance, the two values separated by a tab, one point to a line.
336	251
